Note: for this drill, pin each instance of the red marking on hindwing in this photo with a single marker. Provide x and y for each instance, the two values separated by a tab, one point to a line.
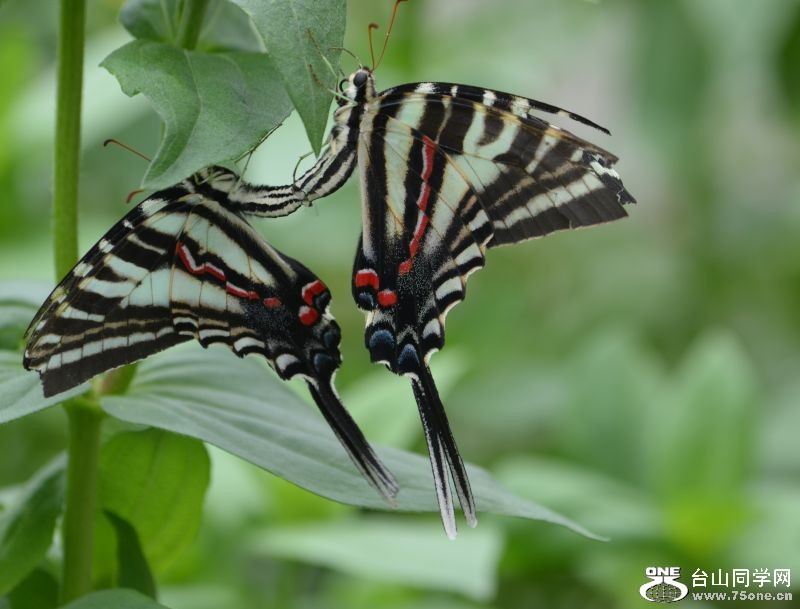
248	294
428	149
209	269
308	316
386	298
315	288
194	268
272	302
367	277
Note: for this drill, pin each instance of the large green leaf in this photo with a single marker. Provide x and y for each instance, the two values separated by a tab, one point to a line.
300	36
21	391
240	406
155	481
133	570
118	598
215	107
396	551
26	526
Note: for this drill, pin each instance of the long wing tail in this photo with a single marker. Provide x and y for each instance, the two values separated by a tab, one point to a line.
353	440
443	452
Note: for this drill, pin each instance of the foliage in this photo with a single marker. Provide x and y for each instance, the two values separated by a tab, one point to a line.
639	378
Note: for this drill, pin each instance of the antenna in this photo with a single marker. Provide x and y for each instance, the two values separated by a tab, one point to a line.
133	193
373	26
126	147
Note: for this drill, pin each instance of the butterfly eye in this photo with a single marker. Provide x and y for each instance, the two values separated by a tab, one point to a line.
360	78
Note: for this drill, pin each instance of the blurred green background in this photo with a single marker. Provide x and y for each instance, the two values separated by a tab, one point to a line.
640	377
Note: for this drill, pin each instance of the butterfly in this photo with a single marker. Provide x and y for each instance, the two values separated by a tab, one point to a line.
448	171
184	264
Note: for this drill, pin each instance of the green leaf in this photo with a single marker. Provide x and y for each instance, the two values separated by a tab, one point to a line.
133	570
39	590
26	527
225	26
241	407
21	391
155	481
151	19
616	508
118	598
394	551
215	107
297	34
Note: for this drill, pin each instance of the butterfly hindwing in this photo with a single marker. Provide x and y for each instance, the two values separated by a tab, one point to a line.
411	268
230	286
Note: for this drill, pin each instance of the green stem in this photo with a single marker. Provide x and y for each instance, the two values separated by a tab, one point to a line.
191	23
68	134
84	418
77	529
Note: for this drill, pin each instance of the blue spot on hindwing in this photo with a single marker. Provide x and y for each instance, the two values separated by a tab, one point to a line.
331	337
408	361
381	346
324	364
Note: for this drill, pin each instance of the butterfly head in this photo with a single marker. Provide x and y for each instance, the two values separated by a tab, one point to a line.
359	87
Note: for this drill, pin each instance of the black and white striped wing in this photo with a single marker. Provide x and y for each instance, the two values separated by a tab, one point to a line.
113	307
530	177
444	176
182	266
420	242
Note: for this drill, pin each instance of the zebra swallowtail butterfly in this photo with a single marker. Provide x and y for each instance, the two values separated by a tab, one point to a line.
446	172
184	264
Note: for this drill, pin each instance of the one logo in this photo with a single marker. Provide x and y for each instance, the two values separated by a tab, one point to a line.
663	586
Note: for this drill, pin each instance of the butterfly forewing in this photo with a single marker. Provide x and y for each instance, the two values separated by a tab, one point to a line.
183	265
532	178
113	307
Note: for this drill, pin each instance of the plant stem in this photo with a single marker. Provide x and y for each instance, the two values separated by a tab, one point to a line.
68	134
83	416
77	529
191	23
